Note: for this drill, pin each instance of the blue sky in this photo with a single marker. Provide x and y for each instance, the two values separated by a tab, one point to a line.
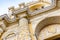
4	4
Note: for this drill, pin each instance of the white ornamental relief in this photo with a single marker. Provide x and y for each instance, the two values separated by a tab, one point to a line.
19	32
51	29
10	34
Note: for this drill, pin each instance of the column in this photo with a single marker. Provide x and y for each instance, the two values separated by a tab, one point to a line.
32	34
24	33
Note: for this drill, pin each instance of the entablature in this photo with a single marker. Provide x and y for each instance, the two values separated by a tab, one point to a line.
25	11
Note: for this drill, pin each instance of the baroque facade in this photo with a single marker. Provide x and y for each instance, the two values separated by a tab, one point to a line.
38	20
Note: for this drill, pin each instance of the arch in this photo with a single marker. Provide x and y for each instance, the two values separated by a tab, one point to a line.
9	33
45	22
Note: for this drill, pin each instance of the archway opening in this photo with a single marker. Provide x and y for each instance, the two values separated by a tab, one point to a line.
45	23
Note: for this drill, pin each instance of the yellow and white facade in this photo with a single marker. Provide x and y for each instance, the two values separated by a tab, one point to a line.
38	20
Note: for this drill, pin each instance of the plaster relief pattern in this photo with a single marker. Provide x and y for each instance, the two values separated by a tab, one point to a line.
49	31
19	31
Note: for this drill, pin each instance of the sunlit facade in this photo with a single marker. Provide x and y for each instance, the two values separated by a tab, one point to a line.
37	20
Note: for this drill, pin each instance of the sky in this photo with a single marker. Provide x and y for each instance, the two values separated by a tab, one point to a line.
5	4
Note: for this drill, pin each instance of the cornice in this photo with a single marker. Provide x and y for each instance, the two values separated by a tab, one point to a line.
25	9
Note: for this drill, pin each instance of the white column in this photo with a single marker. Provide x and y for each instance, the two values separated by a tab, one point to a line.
24	30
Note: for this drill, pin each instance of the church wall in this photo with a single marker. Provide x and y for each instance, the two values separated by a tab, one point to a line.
21	25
